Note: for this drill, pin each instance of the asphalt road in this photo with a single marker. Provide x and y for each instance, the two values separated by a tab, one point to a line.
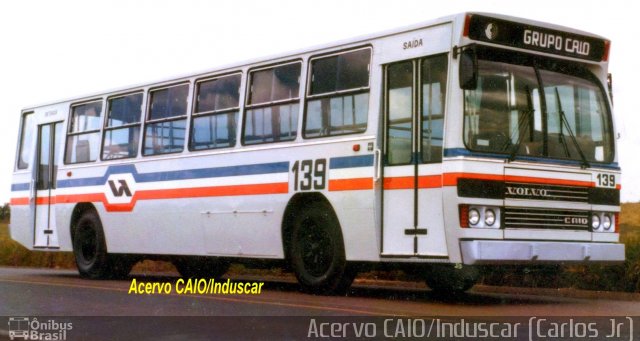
106	309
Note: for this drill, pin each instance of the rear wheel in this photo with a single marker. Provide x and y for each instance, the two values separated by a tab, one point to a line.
451	279
90	251
317	252
201	267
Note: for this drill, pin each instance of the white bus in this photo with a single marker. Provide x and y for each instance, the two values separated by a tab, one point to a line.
471	140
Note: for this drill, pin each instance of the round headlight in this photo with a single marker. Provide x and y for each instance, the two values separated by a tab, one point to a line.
595	222
474	216
606	222
489	217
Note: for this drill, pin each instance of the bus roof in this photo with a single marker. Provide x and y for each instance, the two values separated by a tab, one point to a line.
458	20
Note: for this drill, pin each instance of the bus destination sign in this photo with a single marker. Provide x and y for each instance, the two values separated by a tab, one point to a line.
530	37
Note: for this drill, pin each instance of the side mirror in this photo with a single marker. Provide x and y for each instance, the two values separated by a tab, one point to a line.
468	69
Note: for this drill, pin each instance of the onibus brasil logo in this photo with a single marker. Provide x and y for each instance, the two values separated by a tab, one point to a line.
33	329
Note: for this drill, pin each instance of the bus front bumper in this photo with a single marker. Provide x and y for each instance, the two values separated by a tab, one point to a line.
527	252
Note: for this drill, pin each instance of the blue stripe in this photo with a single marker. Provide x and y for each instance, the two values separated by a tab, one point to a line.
265	168
20	187
187	174
351	161
453	152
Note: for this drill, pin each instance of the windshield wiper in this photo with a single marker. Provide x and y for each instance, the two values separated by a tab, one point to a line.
563	120
524	123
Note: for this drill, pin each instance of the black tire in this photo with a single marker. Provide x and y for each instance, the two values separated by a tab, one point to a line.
90	250
317	253
201	267
448	279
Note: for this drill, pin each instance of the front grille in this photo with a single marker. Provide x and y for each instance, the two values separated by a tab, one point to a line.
529	191
545	218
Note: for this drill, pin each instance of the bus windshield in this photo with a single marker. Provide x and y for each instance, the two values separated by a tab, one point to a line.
538	109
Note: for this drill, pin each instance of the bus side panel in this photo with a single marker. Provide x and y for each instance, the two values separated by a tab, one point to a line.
21	225
198	205
216	204
223	205
355	211
244	226
350	191
163	227
236	225
63	222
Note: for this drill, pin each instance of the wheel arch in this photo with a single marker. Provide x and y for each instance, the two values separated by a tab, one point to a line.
296	204
77	213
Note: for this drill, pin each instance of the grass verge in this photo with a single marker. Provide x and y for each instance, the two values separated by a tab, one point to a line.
14	254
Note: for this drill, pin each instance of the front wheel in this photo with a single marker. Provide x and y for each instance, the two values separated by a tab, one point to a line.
317	252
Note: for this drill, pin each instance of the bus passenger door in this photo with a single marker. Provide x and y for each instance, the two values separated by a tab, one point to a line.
412	219
47	153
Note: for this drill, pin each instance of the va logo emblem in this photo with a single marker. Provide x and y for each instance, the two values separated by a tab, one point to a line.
123	190
120	188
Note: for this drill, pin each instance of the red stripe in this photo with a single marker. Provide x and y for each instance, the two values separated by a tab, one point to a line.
408	182
39	201
218	191
351	184
404	182
430	181
46	200
400	182
19	201
547	181
198	192
73	198
451	179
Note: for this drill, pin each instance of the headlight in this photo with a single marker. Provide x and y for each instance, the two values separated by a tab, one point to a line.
474	216
606	222
595	221
480	217
489	217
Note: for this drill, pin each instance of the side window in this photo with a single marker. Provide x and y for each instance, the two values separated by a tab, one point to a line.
338	96
434	83
83	137
165	128
122	131
273	104
25	155
215	117
400	105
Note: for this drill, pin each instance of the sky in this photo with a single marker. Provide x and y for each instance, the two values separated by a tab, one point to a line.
54	50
